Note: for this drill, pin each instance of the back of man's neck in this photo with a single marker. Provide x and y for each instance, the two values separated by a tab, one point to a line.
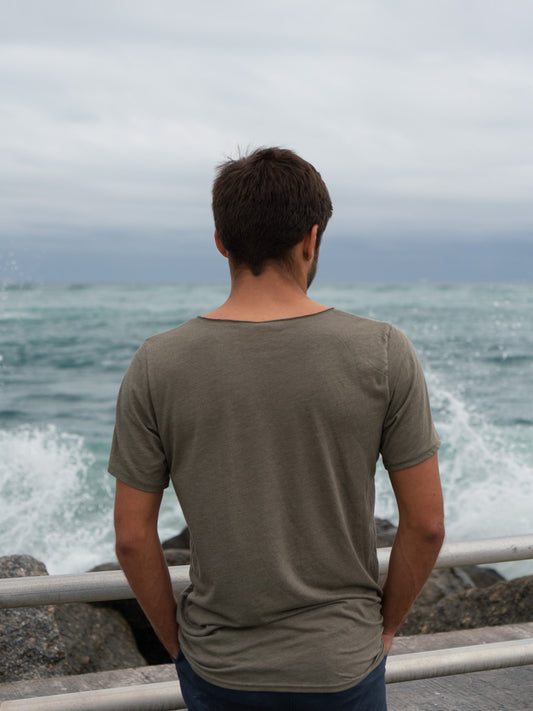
268	297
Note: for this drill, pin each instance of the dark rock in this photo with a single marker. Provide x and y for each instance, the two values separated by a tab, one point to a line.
146	639
386	532
104	566
443	582
21	566
506	602
30	643
96	639
58	640
181	541
482	577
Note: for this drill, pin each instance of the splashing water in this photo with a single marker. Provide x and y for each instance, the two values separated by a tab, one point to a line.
487	478
484	473
50	510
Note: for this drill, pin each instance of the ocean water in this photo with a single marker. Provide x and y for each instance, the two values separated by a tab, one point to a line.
65	348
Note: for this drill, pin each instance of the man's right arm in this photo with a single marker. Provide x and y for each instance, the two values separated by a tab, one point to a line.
418	541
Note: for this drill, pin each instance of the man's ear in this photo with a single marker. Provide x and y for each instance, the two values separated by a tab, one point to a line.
309	243
223	251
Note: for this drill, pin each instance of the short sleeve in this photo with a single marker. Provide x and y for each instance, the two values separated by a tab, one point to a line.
408	434
137	457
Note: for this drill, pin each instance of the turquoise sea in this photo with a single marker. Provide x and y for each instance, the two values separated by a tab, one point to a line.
64	349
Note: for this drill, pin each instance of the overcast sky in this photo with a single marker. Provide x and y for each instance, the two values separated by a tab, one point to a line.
419	116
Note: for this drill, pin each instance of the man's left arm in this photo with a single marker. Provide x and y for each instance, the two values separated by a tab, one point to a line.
418	540
140	555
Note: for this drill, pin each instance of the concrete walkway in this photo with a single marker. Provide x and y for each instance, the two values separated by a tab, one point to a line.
498	690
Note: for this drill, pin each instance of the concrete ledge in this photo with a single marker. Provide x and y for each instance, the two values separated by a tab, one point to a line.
461	638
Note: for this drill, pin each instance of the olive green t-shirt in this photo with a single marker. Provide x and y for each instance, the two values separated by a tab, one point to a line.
270	432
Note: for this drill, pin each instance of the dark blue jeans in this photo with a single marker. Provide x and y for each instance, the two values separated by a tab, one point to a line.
200	695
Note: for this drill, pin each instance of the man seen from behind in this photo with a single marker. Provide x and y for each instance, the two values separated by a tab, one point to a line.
268	415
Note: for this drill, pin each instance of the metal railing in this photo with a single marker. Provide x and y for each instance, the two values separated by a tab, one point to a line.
166	696
112	584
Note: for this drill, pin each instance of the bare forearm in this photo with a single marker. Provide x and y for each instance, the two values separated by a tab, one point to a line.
412	559
146	570
418	540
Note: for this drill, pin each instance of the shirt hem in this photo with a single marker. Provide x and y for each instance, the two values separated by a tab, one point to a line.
286	688
415	460
125	479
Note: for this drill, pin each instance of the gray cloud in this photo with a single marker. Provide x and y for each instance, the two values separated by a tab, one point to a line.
419	115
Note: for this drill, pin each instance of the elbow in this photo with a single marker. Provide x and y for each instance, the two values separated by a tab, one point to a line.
130	541
429	531
432	532
435	533
124	546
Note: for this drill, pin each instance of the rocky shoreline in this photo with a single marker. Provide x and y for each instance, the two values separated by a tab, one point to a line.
79	638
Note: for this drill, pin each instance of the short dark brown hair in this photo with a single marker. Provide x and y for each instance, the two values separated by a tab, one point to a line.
265	203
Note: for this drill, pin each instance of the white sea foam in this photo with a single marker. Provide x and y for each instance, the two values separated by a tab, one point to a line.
49	508
57	501
487	478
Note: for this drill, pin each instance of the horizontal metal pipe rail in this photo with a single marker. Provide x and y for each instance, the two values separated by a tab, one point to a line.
162	696
112	584
166	696
459	660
